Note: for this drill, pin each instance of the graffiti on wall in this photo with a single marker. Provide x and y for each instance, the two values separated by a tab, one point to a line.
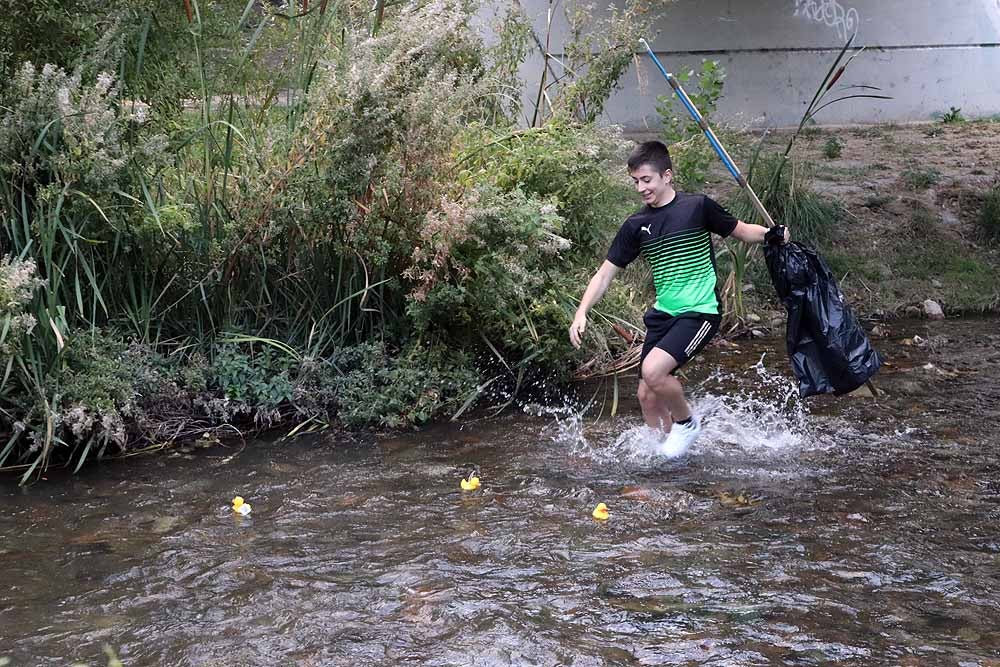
830	12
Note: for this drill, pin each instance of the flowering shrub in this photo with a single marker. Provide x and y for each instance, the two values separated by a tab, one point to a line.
61	129
479	267
18	283
580	168
378	139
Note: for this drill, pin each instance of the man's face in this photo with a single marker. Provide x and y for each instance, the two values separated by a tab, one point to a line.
652	186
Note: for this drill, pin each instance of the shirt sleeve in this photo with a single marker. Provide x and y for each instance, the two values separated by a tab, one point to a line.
625	247
717	219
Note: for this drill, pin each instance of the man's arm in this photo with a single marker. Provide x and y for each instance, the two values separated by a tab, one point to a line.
595	290
752	233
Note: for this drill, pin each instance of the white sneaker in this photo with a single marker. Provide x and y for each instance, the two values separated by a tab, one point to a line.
680	438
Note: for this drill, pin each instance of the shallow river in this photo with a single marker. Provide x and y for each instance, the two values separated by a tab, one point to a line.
853	531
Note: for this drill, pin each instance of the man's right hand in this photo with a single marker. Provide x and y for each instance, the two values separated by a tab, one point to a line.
576	329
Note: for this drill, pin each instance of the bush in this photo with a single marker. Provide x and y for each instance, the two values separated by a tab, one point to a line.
690	151
920	178
580	168
833	148
103	393
259	379
989	216
413	387
63	129
505	261
953	115
485	270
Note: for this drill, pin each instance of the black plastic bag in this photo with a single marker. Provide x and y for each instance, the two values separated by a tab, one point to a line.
829	350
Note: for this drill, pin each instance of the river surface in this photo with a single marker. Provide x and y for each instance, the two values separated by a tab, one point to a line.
849	531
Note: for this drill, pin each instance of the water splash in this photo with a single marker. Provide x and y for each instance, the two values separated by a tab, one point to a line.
756	411
568	426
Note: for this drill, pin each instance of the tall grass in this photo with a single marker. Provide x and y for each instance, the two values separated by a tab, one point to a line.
989	216
162	247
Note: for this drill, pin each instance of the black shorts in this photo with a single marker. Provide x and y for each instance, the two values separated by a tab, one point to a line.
681	336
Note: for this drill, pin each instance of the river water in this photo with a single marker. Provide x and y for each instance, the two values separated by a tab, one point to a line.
853	531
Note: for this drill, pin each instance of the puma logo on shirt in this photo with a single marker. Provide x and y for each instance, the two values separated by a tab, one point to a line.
646	229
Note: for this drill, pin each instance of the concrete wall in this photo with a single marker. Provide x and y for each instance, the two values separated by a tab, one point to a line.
928	54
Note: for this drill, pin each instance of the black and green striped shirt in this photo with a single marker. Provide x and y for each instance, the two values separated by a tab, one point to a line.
675	240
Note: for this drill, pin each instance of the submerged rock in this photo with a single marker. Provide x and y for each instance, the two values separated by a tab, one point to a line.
933	310
864	391
910	388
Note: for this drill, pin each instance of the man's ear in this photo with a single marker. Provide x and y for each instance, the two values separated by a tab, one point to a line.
668	176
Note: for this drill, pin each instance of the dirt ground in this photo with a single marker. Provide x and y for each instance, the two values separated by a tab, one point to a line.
911	196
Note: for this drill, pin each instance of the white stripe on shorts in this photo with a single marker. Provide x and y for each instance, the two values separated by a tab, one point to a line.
705	327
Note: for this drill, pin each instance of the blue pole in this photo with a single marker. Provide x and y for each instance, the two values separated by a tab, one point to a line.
709	134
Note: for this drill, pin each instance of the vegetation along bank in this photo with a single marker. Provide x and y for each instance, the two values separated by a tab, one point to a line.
223	221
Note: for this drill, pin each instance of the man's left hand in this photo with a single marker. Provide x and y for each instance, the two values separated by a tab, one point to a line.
777	235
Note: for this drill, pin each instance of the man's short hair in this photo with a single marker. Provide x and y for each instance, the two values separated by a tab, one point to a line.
653	153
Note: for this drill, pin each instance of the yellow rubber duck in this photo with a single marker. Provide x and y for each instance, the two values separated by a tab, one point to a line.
241	507
470	484
601	512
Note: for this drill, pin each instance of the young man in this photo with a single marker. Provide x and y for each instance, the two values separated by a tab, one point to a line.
672	232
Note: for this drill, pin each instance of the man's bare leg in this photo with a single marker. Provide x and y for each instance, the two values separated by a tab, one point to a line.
654	409
667	391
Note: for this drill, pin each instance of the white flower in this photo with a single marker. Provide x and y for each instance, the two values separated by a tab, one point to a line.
104	81
62	101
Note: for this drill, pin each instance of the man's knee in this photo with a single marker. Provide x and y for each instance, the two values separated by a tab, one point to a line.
661	382
654	377
656	368
645	393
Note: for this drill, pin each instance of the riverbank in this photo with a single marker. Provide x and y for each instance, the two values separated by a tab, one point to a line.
912	199
910	230
393	246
